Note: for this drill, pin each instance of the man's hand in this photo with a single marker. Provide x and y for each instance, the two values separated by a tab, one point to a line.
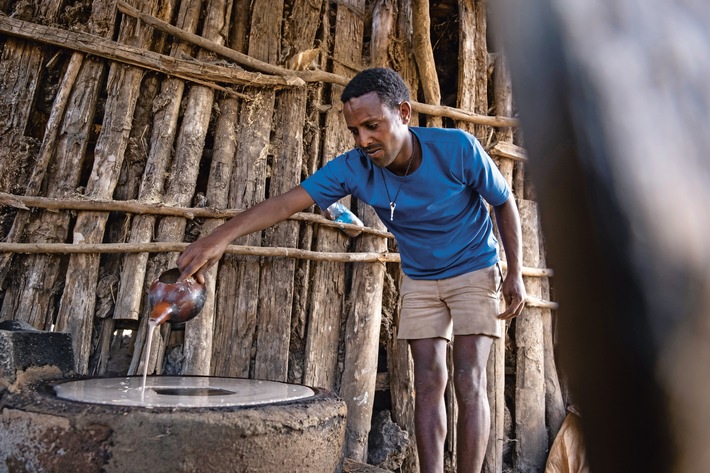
514	295
199	256
508	221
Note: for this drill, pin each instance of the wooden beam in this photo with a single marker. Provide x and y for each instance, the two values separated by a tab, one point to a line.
424	53
504	149
530	433
193	70
165	247
142	208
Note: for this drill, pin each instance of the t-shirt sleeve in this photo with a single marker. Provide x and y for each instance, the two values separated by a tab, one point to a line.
329	183
481	173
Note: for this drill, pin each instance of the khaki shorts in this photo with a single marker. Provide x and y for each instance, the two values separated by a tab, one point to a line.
463	305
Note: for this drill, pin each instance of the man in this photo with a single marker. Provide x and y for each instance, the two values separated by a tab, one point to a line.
428	186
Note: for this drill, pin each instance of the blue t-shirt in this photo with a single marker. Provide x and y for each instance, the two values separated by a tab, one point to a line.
440	222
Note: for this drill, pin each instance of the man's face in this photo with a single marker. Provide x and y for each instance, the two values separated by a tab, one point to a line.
377	129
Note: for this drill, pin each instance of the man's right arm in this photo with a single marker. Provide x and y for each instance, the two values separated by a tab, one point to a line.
207	251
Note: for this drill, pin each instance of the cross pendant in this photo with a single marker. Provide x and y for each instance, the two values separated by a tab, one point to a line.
392	206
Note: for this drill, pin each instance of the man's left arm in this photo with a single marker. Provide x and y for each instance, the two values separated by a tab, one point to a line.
508	220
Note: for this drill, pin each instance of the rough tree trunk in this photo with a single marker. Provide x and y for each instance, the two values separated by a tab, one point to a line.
399	360
496	361
166	107
128	188
237	305
21	68
530	432
328	283
423	51
76	309
199	336
277	276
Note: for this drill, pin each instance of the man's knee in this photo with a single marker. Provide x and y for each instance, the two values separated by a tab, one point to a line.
430	370
471	386
430	381
470	364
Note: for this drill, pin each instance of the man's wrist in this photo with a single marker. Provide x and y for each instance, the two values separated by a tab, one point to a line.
515	269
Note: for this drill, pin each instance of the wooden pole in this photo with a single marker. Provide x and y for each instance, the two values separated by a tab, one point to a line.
21	69
423	51
383	18
276	288
312	134
143	208
133	285
154	188
530	433
399	360
365	296
238	288
328	287
199	336
473	60
217	194
224	356
362	341
76	308
193	70
493	462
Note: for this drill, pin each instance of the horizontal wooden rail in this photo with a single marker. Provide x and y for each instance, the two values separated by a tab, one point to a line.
165	247
132	206
142	208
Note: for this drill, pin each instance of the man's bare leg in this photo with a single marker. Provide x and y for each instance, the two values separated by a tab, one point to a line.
430	376
474	419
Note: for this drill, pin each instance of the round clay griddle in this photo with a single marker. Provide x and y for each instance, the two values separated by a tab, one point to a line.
180	391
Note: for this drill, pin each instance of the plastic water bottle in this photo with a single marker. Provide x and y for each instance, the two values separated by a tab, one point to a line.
340	213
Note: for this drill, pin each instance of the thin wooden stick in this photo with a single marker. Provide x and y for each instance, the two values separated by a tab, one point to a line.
165	247
141	208
540	303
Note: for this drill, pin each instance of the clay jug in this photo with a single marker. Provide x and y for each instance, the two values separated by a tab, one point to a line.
175	301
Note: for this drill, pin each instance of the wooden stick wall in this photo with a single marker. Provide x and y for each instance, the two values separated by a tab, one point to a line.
157	130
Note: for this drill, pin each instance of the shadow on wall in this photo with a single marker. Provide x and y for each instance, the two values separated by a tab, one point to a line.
614	103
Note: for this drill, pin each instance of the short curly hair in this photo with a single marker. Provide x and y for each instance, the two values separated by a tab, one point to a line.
386	83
